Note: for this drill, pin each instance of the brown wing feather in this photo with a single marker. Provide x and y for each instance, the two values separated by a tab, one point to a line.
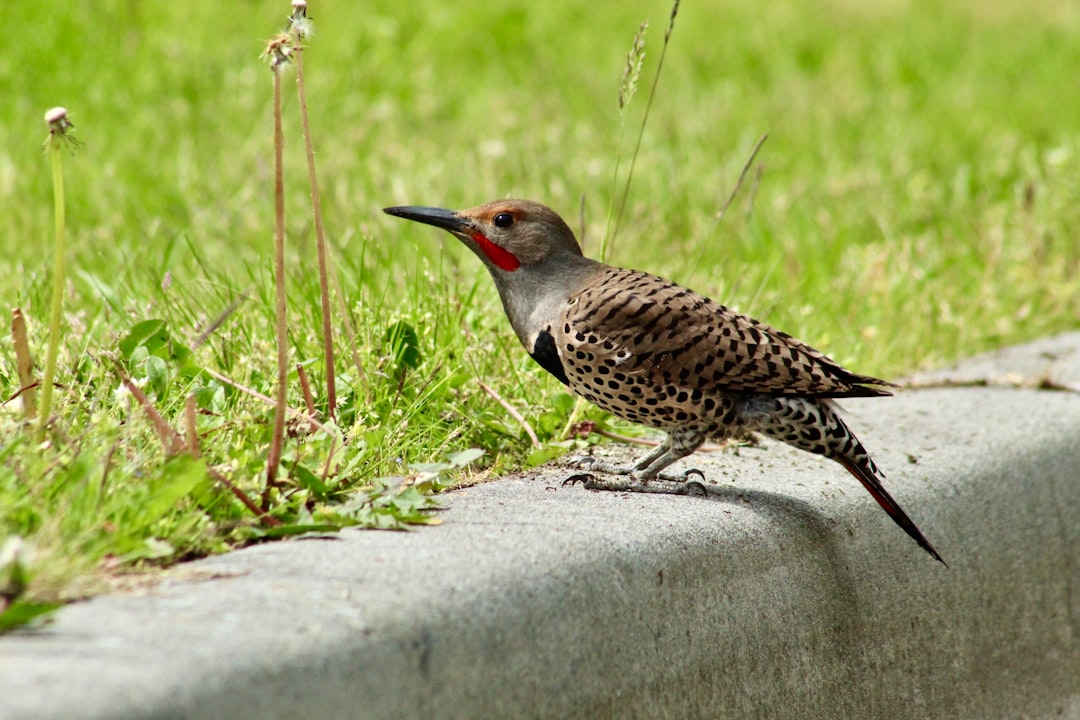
648	325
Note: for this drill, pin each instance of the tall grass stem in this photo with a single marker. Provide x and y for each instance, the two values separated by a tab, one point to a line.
320	242
644	122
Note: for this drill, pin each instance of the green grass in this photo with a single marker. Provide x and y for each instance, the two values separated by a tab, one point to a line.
916	203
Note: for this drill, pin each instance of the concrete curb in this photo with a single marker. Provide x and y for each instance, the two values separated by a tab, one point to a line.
790	595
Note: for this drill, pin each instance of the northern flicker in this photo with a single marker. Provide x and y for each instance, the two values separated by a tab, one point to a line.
656	353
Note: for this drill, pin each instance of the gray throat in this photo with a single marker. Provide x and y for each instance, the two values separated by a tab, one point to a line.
535	296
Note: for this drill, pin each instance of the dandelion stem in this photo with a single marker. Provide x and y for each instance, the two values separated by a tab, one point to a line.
56	128
274	457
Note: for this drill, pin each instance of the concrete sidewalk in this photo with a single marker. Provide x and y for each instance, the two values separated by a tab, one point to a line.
791	594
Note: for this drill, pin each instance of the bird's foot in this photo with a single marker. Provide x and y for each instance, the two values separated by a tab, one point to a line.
588	462
619	483
682	483
683	477
590	481
627	480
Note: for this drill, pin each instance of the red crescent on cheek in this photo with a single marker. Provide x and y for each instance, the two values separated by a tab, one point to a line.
500	256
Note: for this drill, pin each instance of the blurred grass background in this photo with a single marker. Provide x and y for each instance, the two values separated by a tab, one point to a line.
917	201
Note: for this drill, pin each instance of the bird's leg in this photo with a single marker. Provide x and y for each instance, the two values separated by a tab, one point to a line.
658	452
592	464
588	462
678	444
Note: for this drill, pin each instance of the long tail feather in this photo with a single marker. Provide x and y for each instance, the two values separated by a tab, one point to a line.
873	485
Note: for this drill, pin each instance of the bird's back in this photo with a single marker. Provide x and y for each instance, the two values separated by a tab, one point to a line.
628	334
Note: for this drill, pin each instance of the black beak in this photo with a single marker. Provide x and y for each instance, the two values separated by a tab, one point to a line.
445	219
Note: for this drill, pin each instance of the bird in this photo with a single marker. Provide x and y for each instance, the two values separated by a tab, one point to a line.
653	352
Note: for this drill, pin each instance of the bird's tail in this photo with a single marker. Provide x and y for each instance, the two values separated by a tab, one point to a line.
814	426
846	449
890	506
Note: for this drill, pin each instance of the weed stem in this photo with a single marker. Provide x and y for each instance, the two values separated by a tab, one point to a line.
274	457
59	124
320	242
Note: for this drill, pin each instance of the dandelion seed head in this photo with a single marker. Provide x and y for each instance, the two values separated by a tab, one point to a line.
303	27
279	50
54	115
300	24
60	127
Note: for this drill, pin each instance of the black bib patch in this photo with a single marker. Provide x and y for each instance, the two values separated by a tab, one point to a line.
544	352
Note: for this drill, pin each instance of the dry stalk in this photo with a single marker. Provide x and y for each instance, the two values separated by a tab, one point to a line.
513	413
24	364
299	18
280	50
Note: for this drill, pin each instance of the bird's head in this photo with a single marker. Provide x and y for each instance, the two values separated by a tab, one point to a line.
506	234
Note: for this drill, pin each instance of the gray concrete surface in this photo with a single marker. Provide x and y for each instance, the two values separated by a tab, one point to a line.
788	595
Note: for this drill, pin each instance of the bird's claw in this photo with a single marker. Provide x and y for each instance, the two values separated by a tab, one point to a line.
624	483
595	465
581	461
583	478
692	487
681	483
684	476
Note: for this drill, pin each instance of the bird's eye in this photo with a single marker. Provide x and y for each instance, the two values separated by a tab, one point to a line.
503	220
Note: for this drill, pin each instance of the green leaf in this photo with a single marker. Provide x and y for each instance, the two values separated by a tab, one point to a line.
210	397
153	336
404	344
544	454
156	373
106	292
178	478
563	403
150	334
463	457
430	467
310	481
20	613
314	529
